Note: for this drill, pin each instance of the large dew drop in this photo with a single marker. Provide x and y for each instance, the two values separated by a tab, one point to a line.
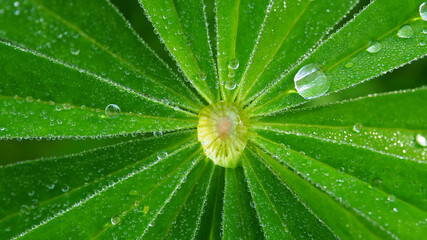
423	11
374	47
233	64
112	110
421	140
311	82
405	32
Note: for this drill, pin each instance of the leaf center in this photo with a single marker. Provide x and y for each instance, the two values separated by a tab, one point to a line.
222	131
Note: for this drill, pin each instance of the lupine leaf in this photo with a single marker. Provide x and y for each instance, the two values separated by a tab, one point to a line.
52	99
182	27
71	32
345	58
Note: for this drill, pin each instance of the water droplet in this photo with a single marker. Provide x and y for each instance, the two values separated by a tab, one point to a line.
115	220
133	192
374	47
357	127
146	209
425	31
391	198
158	133
395	210
377	182
65	188
112	110
421	140
17	12
16	4
161	155
31	193
201	75
233	64
405	32
423	11
230	84
51	186
311	82
349	65
75	51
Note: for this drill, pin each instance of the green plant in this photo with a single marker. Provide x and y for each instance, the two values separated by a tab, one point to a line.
351	169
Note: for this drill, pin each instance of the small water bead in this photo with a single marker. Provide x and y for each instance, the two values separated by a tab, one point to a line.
16	4
391	198
423	11
349	65
233	64
112	110
357	127
65	188
230	84
421	140
146	209
115	220
405	32
311	82
377	182
374	47
161	155
201	75
75	51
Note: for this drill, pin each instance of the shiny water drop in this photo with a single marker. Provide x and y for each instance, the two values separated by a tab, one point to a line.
374	47
146	209
234	64
161	155
357	127
230	84
391	198
115	220
423	11
231	73
421	140
51	186
201	75
349	65
65	188
377	182
75	51
158	133
133	192
112	110
311	82
405	32
16	4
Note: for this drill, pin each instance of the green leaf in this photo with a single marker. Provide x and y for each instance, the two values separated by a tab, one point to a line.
70	32
282	214
345	58
378	159
182	214
182	26
341	220
239	217
95	187
210	224
289	31
52	99
238	24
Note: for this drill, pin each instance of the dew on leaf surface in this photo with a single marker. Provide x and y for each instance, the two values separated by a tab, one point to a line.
75	51
161	155
405	31
115	220
233	64
374	47
421	140
201	75
112	110
423	11
230	84
146	209
357	127
311	82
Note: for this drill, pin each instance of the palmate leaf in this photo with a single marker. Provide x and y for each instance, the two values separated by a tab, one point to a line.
352	169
